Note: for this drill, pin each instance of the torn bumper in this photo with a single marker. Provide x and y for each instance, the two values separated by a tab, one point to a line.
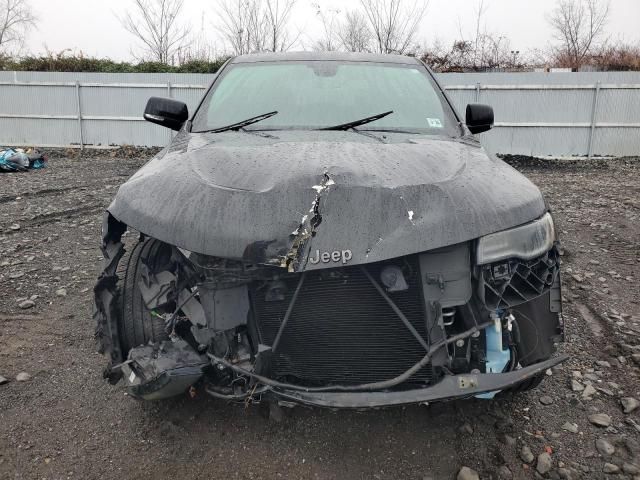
449	388
405	330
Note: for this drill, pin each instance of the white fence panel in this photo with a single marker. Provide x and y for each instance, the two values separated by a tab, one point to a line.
557	114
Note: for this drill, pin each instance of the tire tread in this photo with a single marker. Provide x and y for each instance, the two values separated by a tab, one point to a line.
137	325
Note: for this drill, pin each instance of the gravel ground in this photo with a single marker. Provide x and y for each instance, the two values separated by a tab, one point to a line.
64	421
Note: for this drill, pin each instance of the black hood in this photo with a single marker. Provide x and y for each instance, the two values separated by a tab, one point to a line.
278	200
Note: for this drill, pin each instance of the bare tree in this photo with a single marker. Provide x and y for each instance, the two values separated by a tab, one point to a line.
480	50
156	24
354	33
243	25
478	53
277	14
495	53
578	26
478	40
256	25
394	23
16	18
330	39
200	48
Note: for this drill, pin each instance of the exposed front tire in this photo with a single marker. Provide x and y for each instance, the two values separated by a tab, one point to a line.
136	325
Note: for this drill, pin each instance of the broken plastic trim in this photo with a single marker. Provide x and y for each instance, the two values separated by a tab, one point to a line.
356	388
449	388
105	294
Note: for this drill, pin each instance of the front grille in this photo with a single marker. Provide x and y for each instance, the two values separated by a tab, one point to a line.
341	330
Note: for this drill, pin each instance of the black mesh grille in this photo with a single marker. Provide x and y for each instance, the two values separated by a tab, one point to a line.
342	331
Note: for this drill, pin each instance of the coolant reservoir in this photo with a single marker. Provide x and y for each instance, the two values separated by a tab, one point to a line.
497	357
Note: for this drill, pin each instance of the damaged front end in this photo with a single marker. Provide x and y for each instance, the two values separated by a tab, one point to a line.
452	322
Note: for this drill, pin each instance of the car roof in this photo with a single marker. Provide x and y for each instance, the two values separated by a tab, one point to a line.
327	56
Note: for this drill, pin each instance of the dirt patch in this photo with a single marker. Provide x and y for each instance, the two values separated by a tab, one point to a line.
66	422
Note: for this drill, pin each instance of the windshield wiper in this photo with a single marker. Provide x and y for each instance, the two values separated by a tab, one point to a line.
356	123
243	123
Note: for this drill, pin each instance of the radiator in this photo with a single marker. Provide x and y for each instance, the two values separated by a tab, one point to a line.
341	330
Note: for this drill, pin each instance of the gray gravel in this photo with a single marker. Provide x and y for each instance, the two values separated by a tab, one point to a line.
66	422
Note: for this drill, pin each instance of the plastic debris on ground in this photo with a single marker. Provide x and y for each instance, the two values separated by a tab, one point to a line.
19	161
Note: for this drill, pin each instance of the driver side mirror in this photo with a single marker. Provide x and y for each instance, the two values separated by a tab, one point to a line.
166	112
479	118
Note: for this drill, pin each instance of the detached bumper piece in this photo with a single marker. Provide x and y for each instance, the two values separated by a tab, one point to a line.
155	372
449	388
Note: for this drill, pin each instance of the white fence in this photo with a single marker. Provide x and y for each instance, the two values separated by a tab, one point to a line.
556	114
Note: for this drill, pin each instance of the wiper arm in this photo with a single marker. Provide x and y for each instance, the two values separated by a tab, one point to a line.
356	123
243	123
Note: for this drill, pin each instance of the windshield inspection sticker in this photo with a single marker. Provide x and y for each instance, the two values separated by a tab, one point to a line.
434	123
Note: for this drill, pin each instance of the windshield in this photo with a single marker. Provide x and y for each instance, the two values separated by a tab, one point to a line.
321	94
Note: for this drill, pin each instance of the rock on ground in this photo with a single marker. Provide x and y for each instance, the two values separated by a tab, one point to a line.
589	391
466	428
504	473
526	455
546	400
467	473
630	469
604	447
610	468
565	473
27	304
23	377
576	386
600	420
544	463
629	404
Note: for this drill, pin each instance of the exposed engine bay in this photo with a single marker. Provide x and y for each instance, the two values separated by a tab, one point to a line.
418	328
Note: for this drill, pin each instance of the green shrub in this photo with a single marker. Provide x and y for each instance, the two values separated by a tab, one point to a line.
66	62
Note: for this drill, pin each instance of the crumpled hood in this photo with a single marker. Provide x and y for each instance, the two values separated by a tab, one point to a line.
279	200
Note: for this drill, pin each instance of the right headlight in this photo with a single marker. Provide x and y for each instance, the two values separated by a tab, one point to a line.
524	242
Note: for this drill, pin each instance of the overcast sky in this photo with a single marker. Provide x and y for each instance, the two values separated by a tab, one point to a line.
92	27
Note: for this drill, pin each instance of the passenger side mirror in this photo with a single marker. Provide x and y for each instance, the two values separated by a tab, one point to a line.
166	112
479	117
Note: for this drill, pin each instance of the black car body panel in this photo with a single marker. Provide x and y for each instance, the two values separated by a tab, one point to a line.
242	196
